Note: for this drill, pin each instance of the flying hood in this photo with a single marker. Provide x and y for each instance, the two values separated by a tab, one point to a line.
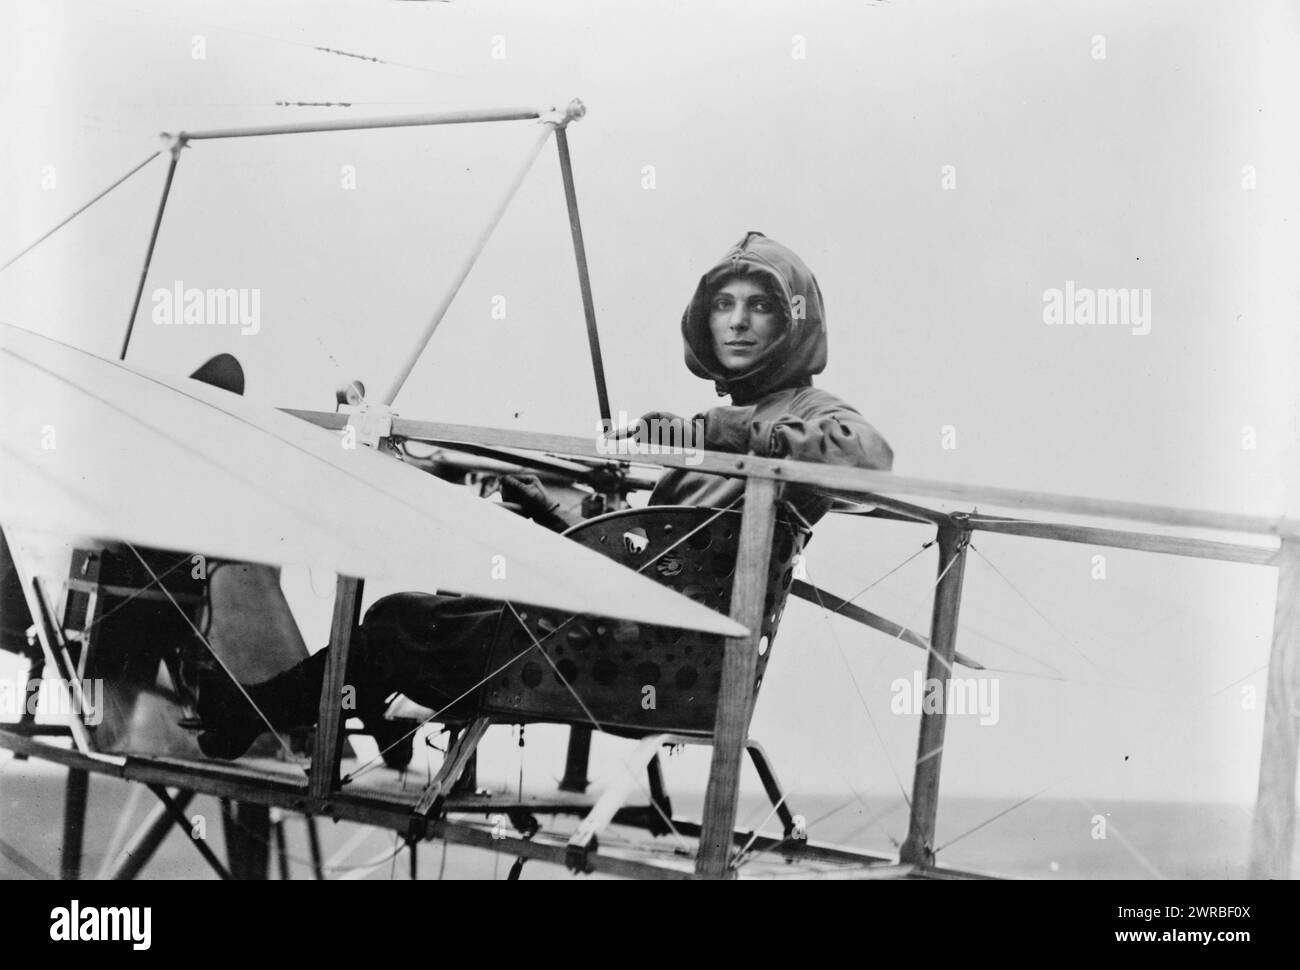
796	356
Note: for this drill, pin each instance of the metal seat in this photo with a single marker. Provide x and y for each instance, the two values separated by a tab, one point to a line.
657	683
631	678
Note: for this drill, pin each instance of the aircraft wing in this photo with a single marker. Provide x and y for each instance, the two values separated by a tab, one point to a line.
96	447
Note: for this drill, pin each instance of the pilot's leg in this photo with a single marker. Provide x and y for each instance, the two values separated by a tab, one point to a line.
290	699
433	649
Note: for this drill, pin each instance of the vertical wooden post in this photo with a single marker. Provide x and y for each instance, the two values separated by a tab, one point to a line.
739	666
329	724
918	847
576	759
1273	834
313	842
74	822
247	829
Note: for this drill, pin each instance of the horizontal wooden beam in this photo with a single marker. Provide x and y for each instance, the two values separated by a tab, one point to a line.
381	810
357	124
1120	539
858	482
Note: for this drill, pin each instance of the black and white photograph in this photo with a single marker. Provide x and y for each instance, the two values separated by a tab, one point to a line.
852	440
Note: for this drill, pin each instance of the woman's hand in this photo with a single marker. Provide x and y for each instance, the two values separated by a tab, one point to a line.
528	492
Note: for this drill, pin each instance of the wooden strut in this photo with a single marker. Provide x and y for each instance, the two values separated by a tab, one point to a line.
584	276
739	667
329	730
583	840
576	758
177	145
135	855
457	759
247	827
838	606
175	808
466	265
75	796
918	847
1273	831
313	844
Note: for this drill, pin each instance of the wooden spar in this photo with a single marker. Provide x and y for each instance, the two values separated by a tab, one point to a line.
468	264
858	482
584	278
739	665
357	124
918	847
838	606
176	146
1119	539
1273	834
329	725
892	508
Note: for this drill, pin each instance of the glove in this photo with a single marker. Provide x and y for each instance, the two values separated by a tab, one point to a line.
530	494
669	431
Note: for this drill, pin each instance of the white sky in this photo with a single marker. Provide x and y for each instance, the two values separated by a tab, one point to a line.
1125	171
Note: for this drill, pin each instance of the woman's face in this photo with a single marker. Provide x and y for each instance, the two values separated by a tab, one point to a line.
744	321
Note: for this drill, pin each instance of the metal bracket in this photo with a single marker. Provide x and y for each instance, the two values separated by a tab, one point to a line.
175	142
371	423
561	117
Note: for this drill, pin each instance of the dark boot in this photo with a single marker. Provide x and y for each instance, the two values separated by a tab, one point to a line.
396	739
290	699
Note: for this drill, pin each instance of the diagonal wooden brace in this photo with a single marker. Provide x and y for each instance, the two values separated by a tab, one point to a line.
453	766
584	841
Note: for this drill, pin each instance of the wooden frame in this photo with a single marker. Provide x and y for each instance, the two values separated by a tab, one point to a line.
1273	836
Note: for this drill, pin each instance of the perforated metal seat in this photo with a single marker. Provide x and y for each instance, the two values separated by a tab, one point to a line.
636	678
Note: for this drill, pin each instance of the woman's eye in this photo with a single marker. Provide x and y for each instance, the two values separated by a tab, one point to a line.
761	306
722	304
